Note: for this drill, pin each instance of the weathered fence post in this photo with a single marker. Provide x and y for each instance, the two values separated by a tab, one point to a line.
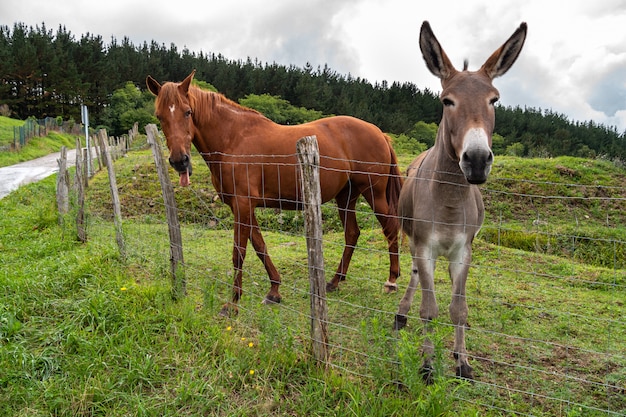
117	209
309	159
80	193
179	284
63	186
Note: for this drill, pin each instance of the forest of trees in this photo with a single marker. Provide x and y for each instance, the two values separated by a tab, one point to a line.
51	73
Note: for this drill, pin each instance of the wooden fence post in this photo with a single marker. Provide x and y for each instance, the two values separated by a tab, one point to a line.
309	159
63	186
80	193
179	284
117	209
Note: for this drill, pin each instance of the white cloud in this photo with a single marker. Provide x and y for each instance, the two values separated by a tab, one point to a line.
574	60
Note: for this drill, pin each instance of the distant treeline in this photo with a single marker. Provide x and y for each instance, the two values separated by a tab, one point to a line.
47	73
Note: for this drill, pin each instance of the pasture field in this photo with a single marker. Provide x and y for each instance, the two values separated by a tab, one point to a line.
36	146
84	332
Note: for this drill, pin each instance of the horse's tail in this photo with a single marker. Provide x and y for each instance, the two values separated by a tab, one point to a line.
394	184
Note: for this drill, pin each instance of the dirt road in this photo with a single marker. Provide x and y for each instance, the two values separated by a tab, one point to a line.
14	176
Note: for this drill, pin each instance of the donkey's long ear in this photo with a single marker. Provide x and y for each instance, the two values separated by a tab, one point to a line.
153	85
184	85
436	59
504	58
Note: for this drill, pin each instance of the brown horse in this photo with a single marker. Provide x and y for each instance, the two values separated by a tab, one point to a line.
440	207
253	164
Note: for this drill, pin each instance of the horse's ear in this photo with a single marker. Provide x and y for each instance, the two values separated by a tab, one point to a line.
184	85
436	59
153	85
504	58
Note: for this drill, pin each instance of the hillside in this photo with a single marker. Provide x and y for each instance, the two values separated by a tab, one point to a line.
531	204
6	131
35	147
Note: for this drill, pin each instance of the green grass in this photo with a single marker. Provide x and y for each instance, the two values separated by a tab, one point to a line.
83	332
6	130
36	146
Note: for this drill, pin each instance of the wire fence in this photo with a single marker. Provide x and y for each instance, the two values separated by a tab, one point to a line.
40	127
546	290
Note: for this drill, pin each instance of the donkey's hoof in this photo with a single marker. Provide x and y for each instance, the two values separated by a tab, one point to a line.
399	322
427	372
272	299
229	310
465	371
390	287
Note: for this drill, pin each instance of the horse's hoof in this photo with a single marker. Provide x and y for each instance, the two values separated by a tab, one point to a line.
330	287
272	299
390	287
465	371
399	322
229	311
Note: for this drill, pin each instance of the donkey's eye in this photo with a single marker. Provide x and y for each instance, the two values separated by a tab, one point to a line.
447	102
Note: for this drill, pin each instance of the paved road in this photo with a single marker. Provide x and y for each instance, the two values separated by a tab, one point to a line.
14	176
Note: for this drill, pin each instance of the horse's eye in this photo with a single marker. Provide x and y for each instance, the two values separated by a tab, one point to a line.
447	102
188	113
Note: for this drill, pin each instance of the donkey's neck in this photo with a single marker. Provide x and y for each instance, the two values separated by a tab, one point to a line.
448	180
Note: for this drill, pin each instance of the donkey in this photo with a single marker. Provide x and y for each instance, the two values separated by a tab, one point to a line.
440	205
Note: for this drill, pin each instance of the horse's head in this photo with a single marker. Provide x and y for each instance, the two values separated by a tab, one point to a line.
468	98
173	108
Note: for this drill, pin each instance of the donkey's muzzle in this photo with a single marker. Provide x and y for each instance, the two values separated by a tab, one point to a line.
476	165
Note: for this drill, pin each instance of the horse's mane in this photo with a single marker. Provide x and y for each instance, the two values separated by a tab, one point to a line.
203	101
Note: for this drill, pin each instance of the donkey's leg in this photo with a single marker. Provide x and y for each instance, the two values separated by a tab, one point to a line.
346	204
423	270
407	300
273	296
459	311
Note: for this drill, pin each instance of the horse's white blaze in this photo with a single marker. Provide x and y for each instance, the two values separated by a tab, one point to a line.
172	108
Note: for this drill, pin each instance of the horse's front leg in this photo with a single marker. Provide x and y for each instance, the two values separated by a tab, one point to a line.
273	296
459	311
242	234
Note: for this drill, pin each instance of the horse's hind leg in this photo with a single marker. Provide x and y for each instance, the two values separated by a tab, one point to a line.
346	204
391	227
273	296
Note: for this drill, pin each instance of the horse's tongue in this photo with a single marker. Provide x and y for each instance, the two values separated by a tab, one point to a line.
184	179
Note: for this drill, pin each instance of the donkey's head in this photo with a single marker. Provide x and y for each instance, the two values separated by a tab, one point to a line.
468	98
173	108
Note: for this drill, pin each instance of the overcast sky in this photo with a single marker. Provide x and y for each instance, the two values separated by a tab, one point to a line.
573	62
